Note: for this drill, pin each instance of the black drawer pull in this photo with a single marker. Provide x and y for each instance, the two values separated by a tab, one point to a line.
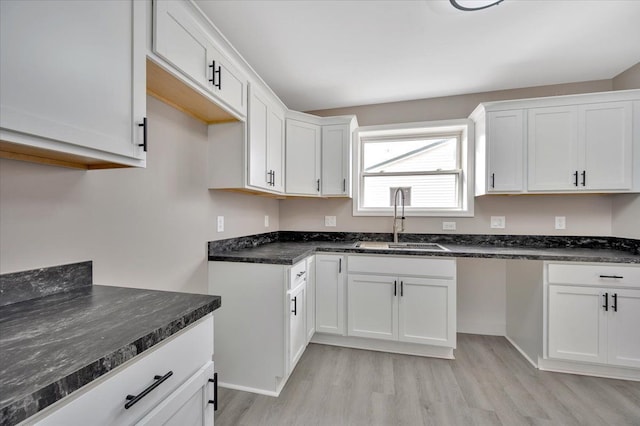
215	392
295	305
133	399
611	276
606	301
395	288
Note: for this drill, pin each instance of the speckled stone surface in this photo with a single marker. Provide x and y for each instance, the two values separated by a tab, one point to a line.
19	286
52	346
291	247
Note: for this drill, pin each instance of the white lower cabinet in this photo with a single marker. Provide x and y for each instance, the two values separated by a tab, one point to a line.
182	364
330	289
261	332
593	313
403	308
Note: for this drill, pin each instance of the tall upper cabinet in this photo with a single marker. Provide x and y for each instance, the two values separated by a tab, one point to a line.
72	83
562	144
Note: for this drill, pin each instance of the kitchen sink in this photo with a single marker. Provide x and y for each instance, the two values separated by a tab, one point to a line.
381	245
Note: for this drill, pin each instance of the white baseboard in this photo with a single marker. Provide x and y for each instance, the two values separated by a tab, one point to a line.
486	328
519	349
249	389
607	371
383	346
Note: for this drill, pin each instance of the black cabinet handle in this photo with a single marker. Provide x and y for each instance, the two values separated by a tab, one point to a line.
318	185
606	301
395	288
295	306
611	276
215	71
344	185
575	176
133	399
214	401
273	178
493	180
340	265
584	178
615	302
144	134
401	288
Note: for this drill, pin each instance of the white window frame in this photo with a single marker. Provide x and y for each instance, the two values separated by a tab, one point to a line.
463	127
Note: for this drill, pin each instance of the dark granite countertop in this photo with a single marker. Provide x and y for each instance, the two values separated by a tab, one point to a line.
53	345
287	248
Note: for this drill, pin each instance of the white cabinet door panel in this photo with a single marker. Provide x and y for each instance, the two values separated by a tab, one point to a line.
372	306
257	140
302	158
624	328
297	327
505	142
605	132
427	311
311	297
553	148
330	288
336	160
275	147
577	326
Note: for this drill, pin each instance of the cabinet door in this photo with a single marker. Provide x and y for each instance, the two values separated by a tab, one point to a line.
553	149
577	324
311	297
302	158
505	142
336	160
275	148
623	328
72	76
188	405
605	132
258	118
297	328
226	81
330	287
427	312
372	306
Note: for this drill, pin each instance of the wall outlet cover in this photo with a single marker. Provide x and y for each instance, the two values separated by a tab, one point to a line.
561	222
448	226
266	221
329	221
220	223
498	222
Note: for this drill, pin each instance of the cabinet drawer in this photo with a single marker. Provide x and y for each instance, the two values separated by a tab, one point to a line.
600	275
425	267
103	402
297	274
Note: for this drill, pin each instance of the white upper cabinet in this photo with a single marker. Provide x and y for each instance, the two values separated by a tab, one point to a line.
265	142
185	40
302	158
562	144
336	159
501	151
72	79
553	148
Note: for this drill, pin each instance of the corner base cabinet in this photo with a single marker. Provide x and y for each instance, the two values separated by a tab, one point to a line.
593	313
185	394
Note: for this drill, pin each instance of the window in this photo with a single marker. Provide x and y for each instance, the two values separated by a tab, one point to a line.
428	162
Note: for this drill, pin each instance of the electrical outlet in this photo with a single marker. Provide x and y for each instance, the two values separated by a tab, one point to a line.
448	226
561	222
266	221
220	223
329	221
498	222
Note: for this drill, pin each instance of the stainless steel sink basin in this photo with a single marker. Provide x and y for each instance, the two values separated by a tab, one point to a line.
381	245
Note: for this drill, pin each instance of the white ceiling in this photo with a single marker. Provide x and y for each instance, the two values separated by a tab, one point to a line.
324	54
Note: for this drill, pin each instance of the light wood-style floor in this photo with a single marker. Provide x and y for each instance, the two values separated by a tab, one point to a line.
489	383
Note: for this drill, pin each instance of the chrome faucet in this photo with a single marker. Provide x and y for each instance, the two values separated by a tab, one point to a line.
395	214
